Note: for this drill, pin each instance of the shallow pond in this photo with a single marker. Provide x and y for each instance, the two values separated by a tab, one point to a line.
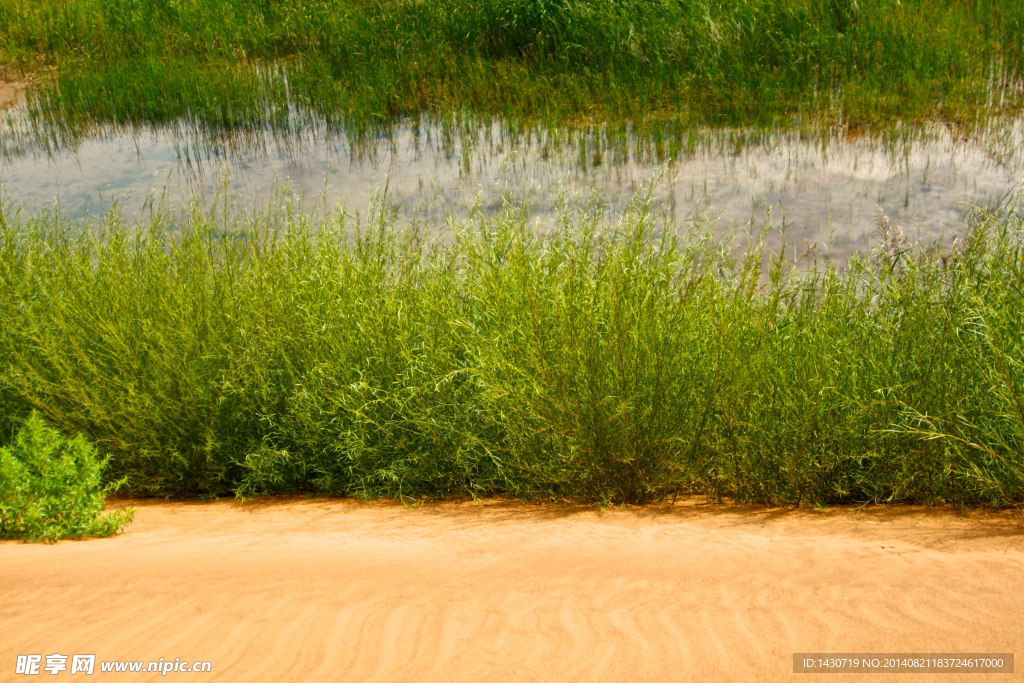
825	189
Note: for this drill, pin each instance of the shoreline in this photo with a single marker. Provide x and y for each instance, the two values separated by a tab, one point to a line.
12	93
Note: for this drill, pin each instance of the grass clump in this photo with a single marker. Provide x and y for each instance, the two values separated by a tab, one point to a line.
51	487
364	62
217	353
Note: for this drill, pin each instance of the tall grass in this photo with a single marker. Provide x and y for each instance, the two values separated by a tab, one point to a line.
224	352
235	62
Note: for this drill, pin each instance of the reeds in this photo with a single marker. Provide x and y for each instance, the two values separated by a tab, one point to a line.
216	353
366	62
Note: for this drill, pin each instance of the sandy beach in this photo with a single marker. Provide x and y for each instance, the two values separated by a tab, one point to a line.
324	590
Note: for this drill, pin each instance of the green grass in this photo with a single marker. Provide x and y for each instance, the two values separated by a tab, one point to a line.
217	353
370	62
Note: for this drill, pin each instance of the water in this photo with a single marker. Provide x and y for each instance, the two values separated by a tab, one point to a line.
826	191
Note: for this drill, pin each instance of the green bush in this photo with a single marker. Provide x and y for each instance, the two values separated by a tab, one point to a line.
50	487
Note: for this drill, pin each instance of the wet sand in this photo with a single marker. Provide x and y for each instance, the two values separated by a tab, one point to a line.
328	590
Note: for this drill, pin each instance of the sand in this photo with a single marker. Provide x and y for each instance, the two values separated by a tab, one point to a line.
11	94
328	590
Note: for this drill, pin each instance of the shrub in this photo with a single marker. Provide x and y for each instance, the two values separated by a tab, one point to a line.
50	487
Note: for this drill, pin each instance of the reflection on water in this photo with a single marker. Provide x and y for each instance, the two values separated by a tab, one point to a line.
823	189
